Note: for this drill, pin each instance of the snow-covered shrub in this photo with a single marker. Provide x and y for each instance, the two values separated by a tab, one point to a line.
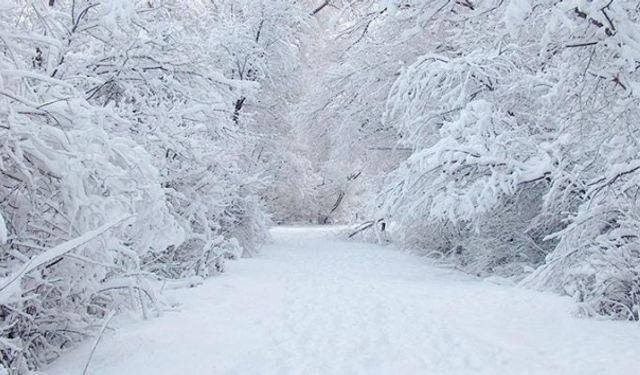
597	260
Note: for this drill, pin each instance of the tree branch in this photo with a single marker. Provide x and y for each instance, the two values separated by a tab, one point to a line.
321	7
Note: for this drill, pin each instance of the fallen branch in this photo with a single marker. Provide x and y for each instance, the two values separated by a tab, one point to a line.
364	226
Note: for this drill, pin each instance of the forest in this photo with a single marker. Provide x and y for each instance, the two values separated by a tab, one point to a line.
145	144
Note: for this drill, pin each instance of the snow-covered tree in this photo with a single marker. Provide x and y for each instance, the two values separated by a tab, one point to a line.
146	140
523	121
65	180
350	71
122	163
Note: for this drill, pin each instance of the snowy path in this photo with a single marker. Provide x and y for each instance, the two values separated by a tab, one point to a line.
313	305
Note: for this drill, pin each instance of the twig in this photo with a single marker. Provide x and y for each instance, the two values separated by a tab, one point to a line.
95	344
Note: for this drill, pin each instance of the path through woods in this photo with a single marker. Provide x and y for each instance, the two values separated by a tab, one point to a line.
312	304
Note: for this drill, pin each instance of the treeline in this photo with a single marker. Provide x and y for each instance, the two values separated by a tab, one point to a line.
137	143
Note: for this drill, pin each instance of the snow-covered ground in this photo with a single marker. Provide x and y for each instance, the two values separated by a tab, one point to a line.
311	304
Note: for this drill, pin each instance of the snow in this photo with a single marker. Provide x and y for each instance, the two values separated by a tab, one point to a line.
516	13
3	230
313	304
10	285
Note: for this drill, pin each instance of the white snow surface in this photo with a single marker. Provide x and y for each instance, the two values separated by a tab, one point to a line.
3	230
313	304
